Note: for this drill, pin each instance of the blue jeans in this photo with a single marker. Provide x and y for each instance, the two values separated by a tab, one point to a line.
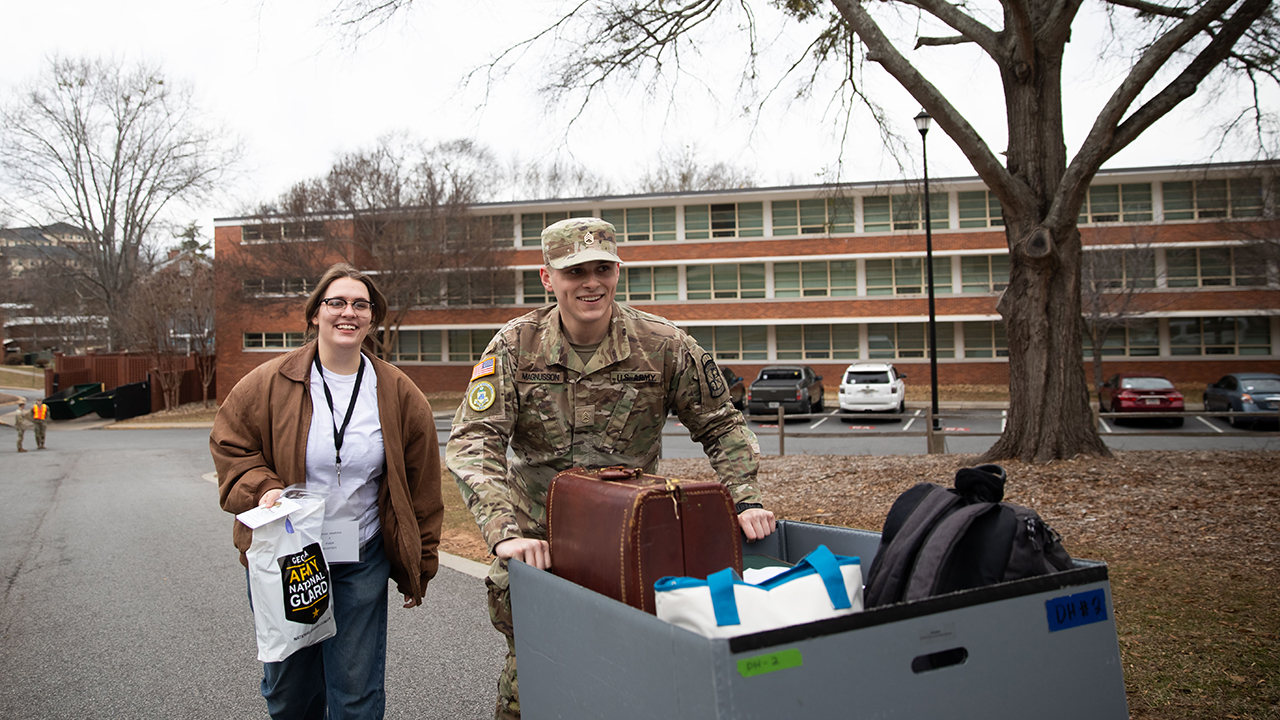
345	673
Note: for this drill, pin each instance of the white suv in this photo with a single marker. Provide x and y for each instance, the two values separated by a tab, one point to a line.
872	387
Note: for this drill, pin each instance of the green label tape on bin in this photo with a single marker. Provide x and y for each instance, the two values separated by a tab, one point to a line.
761	664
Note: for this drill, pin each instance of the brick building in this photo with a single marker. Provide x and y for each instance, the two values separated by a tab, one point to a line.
829	275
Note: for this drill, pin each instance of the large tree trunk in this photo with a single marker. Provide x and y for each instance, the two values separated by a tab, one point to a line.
1049	412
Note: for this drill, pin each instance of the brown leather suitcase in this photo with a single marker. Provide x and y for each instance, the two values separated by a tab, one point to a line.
617	531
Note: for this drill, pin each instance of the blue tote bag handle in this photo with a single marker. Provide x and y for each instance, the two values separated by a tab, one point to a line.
723	602
823	561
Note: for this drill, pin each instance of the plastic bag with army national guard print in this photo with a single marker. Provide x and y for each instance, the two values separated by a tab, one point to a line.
289	580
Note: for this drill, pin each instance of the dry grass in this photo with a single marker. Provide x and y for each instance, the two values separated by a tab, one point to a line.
22	377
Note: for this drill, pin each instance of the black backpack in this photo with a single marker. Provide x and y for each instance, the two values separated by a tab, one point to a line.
938	540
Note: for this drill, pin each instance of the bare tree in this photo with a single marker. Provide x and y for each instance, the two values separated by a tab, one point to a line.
400	210
195	319
107	148
1116	288
683	172
1178	45
153	326
553	179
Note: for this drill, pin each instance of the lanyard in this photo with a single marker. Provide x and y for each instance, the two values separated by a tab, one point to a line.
339	434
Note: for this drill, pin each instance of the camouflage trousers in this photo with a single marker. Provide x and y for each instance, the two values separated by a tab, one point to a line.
39	428
508	705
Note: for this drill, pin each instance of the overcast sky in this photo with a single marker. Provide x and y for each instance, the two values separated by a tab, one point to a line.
277	75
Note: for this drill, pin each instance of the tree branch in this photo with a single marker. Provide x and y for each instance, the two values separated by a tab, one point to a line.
1182	87
1058	23
961	22
1109	135
1149	8
881	50
940	41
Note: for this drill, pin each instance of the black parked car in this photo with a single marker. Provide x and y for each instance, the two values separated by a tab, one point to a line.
794	388
1244	392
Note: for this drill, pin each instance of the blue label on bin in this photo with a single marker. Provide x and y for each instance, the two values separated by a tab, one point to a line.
1071	611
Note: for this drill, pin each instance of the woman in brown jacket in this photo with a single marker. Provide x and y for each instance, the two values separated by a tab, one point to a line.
358	430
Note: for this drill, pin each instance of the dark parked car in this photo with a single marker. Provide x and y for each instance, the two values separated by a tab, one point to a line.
1244	392
794	388
737	389
1141	392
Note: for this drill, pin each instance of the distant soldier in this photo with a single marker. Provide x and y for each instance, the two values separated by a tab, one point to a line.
20	422
589	383
40	419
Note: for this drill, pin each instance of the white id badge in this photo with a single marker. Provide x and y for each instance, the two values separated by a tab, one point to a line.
340	540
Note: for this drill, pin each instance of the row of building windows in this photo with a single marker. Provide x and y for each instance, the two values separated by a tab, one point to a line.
1242	266
1137	338
1240	198
1237	198
1106	270
272	340
1140	337
278	286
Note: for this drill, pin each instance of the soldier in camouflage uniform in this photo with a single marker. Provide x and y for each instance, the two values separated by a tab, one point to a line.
20	422
586	382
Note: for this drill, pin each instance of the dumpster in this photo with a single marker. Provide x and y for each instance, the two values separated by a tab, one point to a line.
121	402
103	403
132	400
1044	646
69	403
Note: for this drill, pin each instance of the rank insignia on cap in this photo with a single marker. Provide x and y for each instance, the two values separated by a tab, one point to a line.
484	367
588	239
481	396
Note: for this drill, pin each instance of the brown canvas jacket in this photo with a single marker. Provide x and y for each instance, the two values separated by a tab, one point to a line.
259	442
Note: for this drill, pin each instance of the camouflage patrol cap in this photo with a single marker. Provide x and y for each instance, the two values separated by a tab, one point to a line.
578	240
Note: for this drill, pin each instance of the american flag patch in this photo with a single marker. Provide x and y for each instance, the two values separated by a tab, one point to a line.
484	367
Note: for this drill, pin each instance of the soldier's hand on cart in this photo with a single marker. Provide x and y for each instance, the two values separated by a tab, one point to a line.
756	523
530	551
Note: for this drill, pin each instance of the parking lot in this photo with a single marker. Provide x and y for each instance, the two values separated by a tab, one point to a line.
969	430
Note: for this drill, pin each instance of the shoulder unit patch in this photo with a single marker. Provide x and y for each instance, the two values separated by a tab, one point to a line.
481	395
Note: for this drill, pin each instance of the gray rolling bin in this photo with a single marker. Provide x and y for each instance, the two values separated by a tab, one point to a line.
1043	647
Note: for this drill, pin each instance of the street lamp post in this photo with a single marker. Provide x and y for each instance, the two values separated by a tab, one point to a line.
935	442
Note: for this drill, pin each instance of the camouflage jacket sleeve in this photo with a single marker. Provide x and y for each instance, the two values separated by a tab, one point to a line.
476	454
701	401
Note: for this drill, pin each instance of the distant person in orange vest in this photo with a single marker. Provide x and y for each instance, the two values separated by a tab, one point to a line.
40	418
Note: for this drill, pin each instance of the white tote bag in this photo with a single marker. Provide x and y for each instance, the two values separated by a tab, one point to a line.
289	580
822	585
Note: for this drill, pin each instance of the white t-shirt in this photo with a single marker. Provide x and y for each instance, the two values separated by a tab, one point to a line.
363	454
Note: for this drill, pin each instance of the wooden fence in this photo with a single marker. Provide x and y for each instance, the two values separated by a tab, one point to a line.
121	369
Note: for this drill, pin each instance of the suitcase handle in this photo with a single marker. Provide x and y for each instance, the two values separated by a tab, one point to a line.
620	473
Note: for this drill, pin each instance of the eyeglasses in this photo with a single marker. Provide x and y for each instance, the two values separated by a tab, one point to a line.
337	305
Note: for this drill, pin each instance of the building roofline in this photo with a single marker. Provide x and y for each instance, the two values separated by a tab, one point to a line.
767	190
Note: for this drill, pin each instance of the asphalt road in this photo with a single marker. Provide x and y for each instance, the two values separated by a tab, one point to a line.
122	595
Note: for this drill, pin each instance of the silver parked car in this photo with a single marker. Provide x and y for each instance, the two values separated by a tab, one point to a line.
1244	392
873	387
